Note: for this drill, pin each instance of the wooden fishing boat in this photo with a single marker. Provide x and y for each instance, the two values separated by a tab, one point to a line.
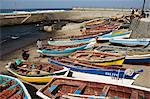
36	72
131	42
66	51
66	43
101	58
118	34
78	37
99	71
71	88
12	88
96	22
52	47
133	55
91	35
96	31
101	28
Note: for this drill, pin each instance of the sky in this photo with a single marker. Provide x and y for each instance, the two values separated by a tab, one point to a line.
22	4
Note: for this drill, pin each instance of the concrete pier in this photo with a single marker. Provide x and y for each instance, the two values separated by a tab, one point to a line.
141	28
73	15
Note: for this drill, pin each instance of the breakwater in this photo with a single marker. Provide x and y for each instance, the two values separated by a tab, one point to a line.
73	15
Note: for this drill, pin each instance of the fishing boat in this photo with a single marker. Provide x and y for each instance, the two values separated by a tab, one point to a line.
35	72
88	70
100	58
133	55
84	36
96	22
65	43
131	42
103	28
52	47
91	35
66	51
117	34
71	88
12	88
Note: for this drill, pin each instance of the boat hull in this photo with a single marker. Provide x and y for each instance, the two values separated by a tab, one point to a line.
118	62
110	73
140	61
60	53
26	94
130	42
138	56
102	78
39	79
44	79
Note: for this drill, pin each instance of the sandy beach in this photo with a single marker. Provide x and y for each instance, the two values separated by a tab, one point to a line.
68	29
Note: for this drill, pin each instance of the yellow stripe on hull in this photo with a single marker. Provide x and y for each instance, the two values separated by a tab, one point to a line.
33	79
36	79
117	62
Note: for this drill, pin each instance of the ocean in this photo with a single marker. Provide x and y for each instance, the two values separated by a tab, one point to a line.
32	10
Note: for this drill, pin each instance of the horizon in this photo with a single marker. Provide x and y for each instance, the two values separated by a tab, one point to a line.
52	4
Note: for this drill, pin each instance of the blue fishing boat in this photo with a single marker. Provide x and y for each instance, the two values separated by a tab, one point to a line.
118	34
86	69
66	51
12	88
133	55
131	42
66	43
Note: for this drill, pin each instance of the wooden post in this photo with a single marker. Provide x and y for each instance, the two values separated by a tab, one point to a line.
143	6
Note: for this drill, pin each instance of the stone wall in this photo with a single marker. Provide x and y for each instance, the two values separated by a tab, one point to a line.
73	15
141	28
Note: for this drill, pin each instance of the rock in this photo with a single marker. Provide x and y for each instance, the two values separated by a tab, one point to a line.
48	28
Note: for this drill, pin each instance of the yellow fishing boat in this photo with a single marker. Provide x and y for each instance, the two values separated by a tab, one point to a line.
99	58
36	72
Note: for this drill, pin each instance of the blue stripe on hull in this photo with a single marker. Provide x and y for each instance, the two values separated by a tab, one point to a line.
112	73
137	61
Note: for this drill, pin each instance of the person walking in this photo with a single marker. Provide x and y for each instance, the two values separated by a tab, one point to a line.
39	44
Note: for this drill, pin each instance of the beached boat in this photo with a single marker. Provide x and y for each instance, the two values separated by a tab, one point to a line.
53	47
96	22
91	35
100	58
131	42
85	36
103	28
66	51
12	88
98	71
35	71
65	43
133	55
118	34
71	88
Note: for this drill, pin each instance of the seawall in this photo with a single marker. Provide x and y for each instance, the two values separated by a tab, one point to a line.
73	15
141	28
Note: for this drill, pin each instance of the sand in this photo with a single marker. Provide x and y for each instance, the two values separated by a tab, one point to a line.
69	29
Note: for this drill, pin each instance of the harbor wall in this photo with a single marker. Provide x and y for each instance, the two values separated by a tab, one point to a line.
73	15
140	28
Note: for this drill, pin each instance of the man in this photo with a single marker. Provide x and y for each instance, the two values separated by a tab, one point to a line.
25	55
39	44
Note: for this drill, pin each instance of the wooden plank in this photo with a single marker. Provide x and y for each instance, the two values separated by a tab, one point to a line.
134	94
105	90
